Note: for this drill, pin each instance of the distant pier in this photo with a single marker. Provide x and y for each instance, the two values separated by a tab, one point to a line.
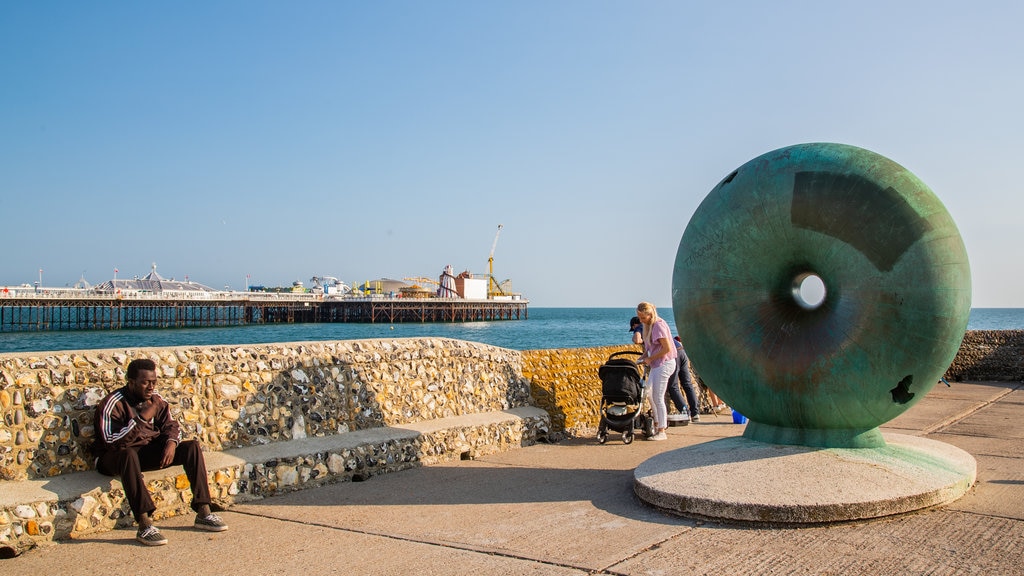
67	311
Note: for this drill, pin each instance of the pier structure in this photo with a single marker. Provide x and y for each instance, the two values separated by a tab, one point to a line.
72	310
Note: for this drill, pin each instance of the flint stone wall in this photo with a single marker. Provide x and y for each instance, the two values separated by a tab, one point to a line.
989	356
237	396
565	382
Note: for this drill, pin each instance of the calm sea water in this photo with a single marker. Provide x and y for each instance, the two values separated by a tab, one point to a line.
545	328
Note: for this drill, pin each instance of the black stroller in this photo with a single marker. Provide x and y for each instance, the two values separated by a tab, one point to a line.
622	398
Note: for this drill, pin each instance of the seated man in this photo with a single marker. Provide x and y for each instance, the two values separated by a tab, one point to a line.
135	432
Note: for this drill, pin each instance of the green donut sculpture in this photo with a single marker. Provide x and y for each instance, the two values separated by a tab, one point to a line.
827	367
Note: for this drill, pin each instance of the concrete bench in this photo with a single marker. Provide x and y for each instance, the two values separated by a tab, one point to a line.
77	504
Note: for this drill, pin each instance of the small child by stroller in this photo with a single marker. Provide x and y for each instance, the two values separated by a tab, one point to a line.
623	392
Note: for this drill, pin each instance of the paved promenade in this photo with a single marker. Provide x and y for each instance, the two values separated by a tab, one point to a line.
569	508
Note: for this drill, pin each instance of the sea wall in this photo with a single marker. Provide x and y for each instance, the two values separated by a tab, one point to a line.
565	381
238	396
989	355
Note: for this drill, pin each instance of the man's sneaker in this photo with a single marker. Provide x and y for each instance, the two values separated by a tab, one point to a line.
660	436
150	536
211	523
695	418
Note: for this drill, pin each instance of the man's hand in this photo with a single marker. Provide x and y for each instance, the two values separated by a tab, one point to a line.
168	456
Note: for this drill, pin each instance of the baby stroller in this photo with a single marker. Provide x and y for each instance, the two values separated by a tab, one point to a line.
622	398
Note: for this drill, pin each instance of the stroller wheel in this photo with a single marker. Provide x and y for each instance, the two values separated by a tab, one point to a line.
602	436
627	437
648	425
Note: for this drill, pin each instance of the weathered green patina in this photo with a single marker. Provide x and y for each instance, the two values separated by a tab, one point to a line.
897	293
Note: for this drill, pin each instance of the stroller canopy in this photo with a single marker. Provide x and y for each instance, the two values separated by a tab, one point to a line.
621	381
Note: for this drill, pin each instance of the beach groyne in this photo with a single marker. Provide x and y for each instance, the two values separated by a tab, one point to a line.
280	417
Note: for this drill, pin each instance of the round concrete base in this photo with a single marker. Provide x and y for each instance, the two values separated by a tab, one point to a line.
743	480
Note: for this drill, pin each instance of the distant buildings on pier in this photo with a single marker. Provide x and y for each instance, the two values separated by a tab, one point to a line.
153	285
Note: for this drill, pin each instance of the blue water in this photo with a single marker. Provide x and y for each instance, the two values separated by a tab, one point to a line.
545	328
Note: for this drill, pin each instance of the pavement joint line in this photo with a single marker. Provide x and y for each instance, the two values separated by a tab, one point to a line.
608	569
436	543
997	457
956	418
982	515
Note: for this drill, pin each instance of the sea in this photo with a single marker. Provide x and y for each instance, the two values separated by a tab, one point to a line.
544	329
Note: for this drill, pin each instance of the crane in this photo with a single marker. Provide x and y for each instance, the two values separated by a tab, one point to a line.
492	284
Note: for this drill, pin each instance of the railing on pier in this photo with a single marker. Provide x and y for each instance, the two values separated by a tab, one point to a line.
65	310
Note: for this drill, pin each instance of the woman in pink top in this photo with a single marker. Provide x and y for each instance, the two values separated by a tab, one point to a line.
660	355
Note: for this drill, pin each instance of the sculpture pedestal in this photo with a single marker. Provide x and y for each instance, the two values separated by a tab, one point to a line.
737	479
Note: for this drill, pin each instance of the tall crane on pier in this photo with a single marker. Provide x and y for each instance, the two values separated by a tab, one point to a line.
493	289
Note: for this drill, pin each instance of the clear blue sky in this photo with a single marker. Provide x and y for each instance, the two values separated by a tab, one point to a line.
387	139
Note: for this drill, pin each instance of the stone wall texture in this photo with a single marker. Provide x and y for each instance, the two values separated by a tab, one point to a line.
565	383
237	396
989	355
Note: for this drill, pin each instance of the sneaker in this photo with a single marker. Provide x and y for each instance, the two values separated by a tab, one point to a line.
211	523
660	436
695	418
150	536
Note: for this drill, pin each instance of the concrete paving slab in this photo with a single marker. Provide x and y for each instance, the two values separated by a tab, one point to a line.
488	507
1015	397
983	445
1000	489
265	545
568	508
930	542
944	405
931	414
999	420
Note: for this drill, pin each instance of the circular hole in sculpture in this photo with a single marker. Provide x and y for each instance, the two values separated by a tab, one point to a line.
809	291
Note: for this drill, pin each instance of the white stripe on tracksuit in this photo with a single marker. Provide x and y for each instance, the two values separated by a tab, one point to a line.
110	436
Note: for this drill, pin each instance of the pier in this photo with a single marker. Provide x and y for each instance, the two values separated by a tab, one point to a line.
66	310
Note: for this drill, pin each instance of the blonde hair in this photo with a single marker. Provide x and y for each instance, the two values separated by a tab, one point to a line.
647	307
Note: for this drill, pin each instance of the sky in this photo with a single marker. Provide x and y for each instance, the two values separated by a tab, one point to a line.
268	142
